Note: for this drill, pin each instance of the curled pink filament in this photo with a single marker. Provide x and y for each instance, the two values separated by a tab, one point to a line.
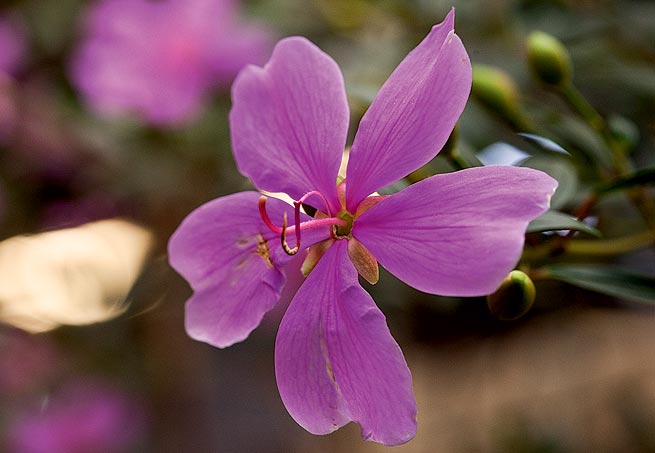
298	226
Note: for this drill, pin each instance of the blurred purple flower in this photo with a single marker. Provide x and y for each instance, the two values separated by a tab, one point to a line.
83	417
12	45
160	59
455	234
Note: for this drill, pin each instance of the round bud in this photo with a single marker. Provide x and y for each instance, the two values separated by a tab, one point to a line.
496	90
513	298
549	59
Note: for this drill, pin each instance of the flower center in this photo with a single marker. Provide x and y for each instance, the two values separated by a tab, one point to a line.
343	231
340	224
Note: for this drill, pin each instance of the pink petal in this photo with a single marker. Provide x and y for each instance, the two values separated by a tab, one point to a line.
226	313
336	361
289	121
412	115
456	234
216	250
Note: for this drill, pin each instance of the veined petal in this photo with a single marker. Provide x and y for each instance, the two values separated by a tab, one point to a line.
412	115
302	368
233	263
226	313
456	234
289	121
336	361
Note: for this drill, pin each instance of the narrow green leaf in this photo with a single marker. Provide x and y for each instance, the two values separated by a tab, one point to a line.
555	220
577	134
393	188
605	279
639	178
544	143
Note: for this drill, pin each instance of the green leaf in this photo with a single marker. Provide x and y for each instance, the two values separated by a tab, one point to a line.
577	134
563	171
639	178
544	143
605	279
393	188
555	220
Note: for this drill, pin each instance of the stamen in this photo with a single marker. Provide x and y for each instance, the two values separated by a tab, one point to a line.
283	235
267	220
297	205
316	192
298	226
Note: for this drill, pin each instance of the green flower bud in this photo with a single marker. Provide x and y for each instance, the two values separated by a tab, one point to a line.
496	90
549	59
513	298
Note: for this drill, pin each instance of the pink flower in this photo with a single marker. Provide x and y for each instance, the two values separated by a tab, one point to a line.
455	234
12	45
83	417
160	59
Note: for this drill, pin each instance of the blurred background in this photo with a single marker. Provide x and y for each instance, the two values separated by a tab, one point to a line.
114	126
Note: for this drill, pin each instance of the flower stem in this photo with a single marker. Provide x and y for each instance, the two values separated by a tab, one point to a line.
590	115
615	246
597	247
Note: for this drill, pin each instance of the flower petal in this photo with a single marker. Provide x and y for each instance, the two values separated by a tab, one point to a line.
412	115
233	263
456	234
289	121
335	359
